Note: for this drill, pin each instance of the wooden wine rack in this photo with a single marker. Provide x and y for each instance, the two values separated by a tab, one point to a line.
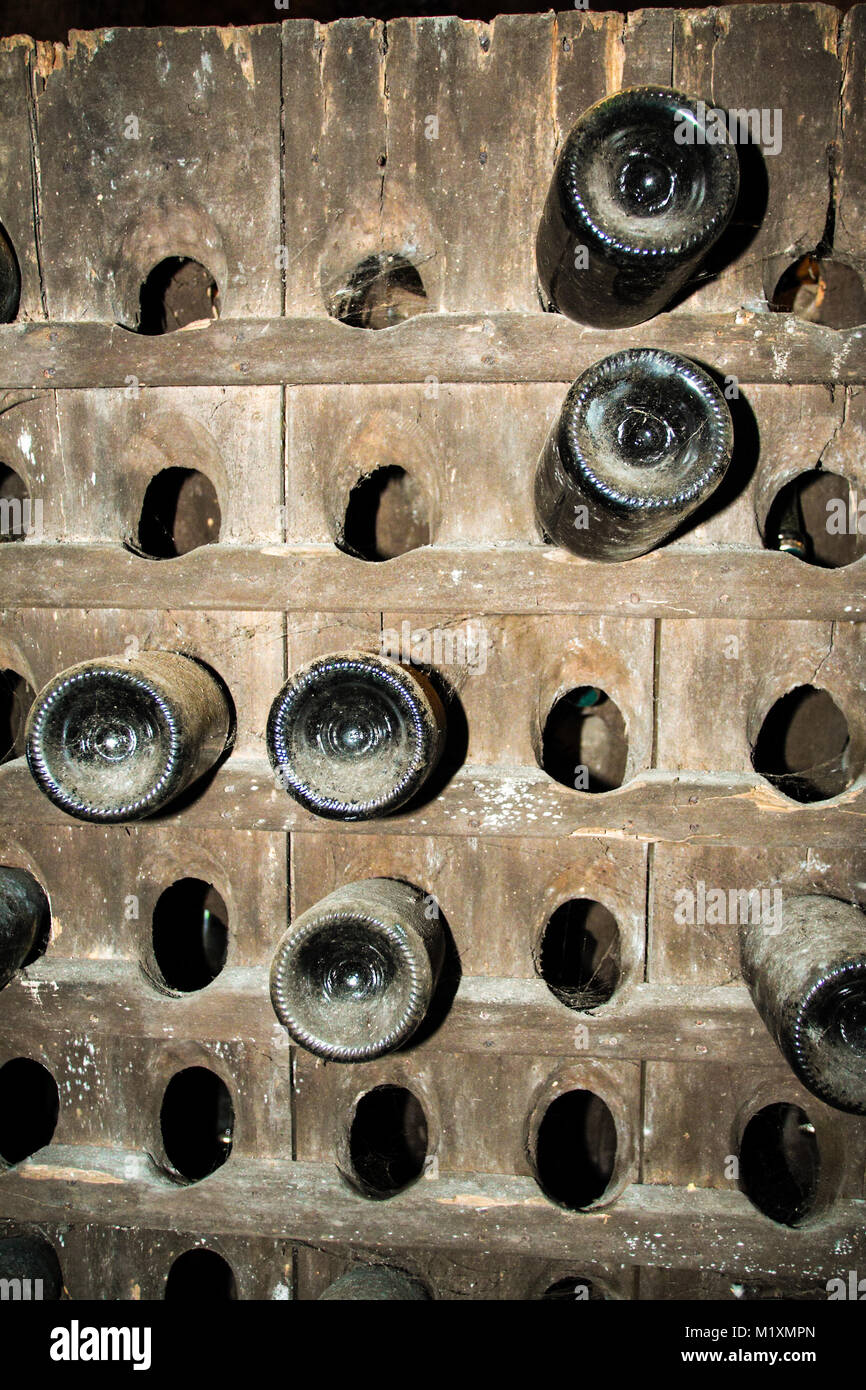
318	139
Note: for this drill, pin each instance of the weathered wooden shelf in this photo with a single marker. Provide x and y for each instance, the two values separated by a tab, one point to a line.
311	1204
684	808
531	579
498	1016
500	346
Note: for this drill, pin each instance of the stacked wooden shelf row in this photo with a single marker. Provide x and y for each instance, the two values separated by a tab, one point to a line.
339	161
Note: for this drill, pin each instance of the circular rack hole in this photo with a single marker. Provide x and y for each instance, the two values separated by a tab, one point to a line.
177	292
818	518
574	1289
584	743
190	934
575	1149
388	1141
16	697
821	291
34	1258
579	959
780	1163
197	1122
803	746
200	1276
17	515
380	291
179	513
388	514
29	1107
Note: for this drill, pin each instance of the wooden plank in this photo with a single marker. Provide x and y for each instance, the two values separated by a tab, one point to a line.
474	581
19	169
113	443
118	1263
506	347
108	916
310	1204
691	808
462	400
246	652
474	1275
145	124
850	232
111	1086
682	951
738	670
695	1115
526	881
736	58
454	149
478	1108
502	1017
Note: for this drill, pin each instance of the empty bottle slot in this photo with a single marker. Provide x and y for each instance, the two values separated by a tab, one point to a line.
575	1149
580	954
197	1120
388	514
190	934
29	1107
387	1141
10	279
780	1163
803	747
821	291
584	744
819	518
380	291
16	697
200	1276
33	1259
17	519
180	512
177	292
573	1289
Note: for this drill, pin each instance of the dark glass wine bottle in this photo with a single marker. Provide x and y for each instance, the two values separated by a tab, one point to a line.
642	439
353	977
24	920
116	740
373	1284
10	280
353	736
639	194
807	976
34	1263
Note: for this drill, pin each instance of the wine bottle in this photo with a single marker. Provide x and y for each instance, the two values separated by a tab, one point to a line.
10	280
375	1283
642	439
807	976
24	920
352	736
32	1262
640	192
116	740
353	977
